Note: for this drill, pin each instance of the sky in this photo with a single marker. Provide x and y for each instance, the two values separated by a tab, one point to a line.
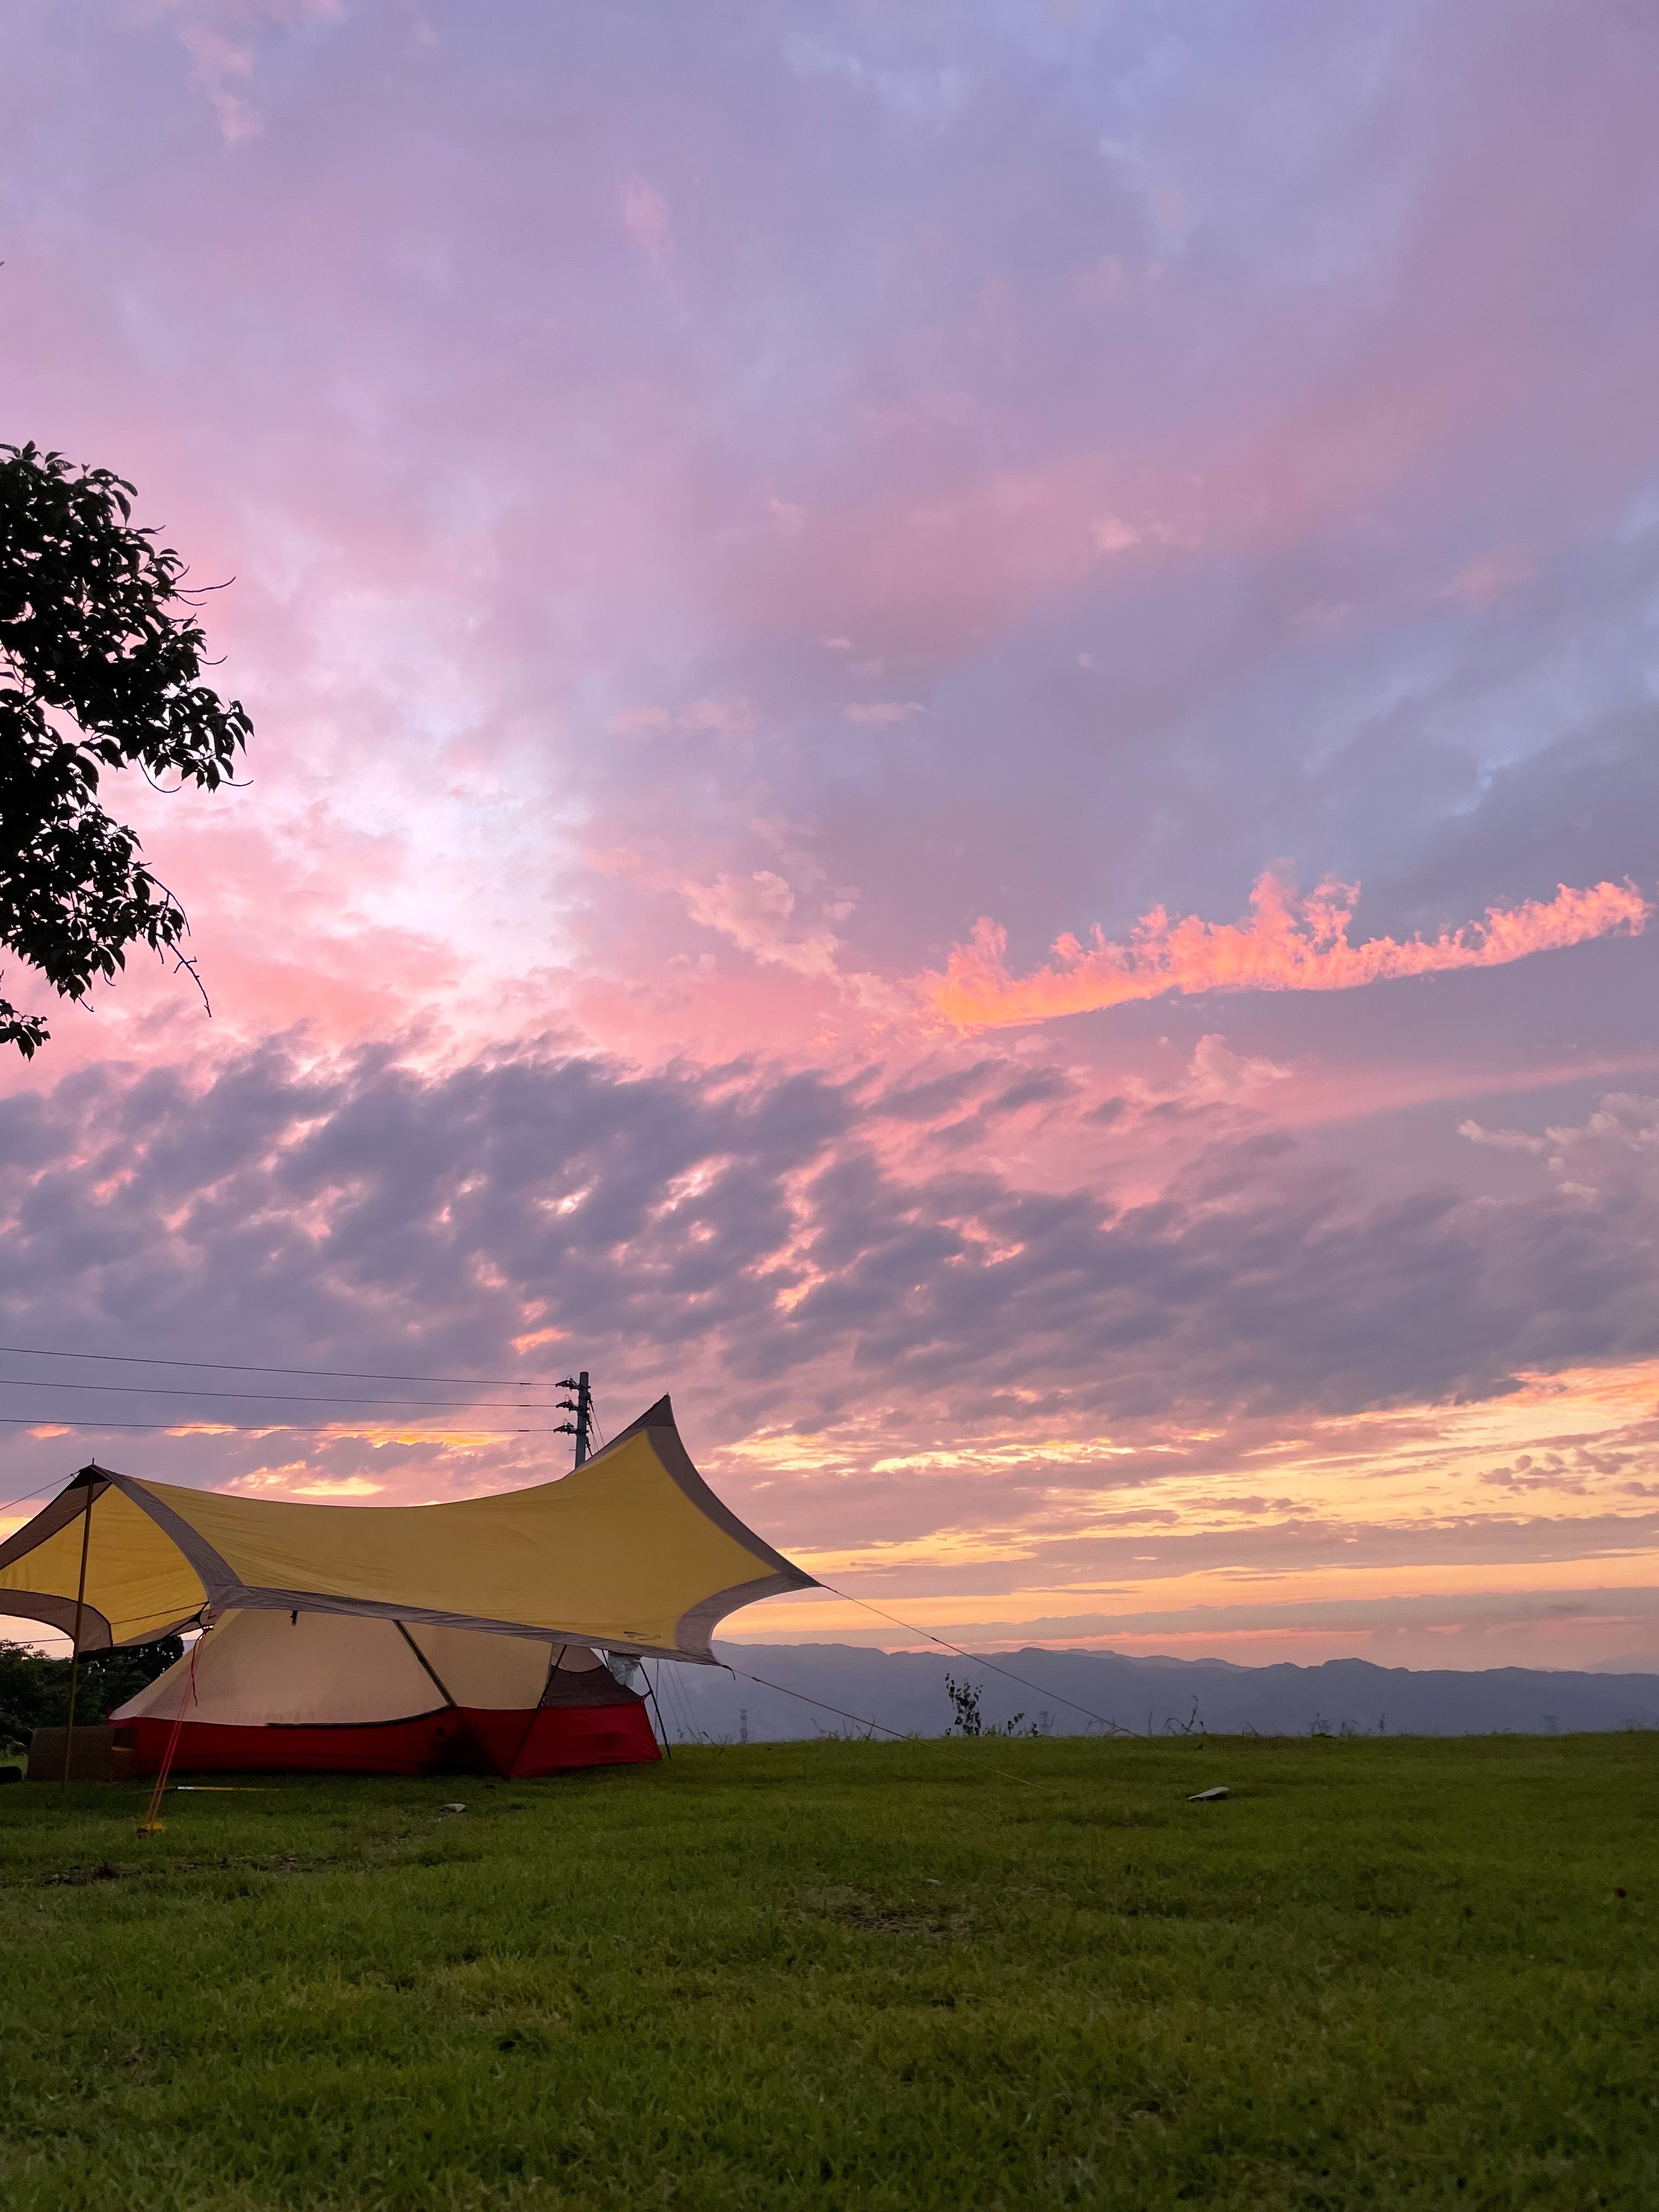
955	751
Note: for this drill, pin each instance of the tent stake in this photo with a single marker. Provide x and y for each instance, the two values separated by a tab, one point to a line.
80	1608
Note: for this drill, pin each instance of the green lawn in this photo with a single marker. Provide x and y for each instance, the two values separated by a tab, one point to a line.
956	1975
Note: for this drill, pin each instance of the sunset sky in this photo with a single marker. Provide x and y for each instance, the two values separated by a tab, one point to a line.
955	751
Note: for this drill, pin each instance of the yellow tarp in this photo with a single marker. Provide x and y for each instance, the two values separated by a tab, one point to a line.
138	1580
632	1551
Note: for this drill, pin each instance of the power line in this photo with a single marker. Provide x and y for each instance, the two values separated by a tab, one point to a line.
976	1658
260	1428
679	1698
656	1705
247	1367
267	1397
172	1428
660	1692
857	1718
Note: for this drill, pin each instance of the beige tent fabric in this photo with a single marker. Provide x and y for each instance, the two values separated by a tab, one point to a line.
332	1669
632	1551
257	1669
493	1672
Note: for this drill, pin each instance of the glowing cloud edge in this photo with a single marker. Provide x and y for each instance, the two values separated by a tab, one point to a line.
1289	942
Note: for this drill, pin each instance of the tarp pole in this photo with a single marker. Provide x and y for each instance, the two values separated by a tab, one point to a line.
662	1725
80	1608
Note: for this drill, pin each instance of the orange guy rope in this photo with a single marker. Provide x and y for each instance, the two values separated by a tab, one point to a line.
152	1825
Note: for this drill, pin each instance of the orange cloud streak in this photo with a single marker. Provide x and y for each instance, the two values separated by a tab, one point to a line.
1289	943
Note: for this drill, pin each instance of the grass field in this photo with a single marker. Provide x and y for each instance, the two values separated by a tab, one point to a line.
952	1974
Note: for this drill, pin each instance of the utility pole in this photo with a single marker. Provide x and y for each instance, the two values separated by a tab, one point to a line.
582	1407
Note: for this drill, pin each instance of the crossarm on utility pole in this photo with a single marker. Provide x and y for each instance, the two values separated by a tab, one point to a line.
582	1407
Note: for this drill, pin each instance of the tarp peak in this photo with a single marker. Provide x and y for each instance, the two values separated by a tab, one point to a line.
631	1551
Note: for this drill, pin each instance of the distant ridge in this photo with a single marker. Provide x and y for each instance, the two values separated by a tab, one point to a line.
905	1691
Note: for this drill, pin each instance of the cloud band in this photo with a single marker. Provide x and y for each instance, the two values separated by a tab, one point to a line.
1288	943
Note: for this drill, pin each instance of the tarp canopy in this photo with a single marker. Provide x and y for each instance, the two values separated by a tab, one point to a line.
632	1551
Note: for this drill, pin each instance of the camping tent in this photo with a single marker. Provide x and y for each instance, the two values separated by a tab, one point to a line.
632	1552
320	1692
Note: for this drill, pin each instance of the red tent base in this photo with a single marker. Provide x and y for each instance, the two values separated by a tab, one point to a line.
550	1740
562	1737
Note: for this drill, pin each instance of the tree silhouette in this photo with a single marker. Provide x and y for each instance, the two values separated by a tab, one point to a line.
100	666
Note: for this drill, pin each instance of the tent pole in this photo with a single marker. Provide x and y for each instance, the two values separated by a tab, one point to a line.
662	1725
80	1608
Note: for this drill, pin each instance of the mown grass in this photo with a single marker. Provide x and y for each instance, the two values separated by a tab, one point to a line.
955	1975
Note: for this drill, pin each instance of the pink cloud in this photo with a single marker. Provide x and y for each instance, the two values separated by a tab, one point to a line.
719	718
1291	943
1112	534
757	912
1219	1073
220	36
644	218
884	714
1486	579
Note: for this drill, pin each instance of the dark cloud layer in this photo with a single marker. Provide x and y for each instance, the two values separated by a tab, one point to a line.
737	1236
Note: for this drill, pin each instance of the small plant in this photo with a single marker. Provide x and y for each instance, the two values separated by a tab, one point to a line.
1192	1725
965	1697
